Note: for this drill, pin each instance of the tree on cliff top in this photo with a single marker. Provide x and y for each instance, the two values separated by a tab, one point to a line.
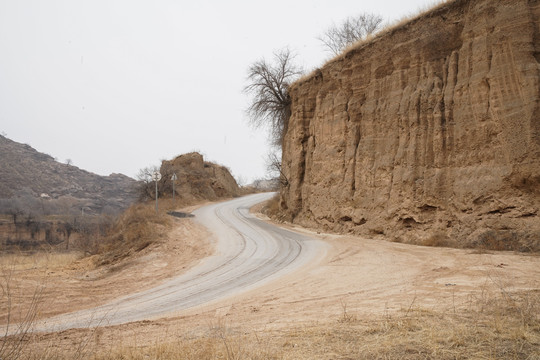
269	90
353	29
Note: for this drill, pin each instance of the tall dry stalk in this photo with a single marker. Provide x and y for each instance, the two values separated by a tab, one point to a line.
18	325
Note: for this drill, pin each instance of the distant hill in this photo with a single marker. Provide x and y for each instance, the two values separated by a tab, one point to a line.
33	181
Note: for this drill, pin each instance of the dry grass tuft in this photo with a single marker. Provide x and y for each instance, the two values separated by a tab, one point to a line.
43	260
439	239
220	342
271	207
16	321
506	240
136	229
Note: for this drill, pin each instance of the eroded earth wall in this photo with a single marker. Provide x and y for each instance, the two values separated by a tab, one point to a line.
430	133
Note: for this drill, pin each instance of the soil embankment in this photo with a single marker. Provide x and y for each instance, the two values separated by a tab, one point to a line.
427	134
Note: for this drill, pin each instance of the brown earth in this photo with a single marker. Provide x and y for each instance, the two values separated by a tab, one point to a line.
81	283
428	133
198	179
358	277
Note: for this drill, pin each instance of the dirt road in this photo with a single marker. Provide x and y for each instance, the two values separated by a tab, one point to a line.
351	277
250	253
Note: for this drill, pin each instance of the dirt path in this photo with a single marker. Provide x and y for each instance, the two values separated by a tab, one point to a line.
80	285
249	252
368	277
359	276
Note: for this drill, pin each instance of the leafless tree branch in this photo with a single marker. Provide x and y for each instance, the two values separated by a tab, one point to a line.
273	166
355	28
268	88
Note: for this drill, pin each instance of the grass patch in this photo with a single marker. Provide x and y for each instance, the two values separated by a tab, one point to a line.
272	209
491	326
136	229
39	260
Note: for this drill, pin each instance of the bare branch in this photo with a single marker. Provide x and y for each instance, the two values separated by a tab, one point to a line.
273	166
353	29
145	174
268	87
146	189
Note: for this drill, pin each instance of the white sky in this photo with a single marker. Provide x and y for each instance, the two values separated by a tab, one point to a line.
118	85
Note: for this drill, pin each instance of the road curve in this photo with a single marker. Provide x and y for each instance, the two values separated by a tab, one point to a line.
249	253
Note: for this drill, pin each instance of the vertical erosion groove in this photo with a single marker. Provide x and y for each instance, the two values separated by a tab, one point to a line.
431	115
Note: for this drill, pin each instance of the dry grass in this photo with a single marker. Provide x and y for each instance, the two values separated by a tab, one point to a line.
491	326
42	260
506	240
437	239
23	276
489	240
271	207
136	229
16	321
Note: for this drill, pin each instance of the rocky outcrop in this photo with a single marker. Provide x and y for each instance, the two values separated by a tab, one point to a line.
197	178
429	133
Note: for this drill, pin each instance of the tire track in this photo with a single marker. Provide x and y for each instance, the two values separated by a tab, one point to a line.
250	252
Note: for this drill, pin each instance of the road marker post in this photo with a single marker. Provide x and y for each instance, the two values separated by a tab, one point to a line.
156	176
173	178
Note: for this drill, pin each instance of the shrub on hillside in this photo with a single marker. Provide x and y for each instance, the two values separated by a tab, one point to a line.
132	232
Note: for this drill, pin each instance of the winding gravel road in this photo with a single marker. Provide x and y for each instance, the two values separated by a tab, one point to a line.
249	253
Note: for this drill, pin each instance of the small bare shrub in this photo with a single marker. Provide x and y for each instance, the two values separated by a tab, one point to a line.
271	207
438	238
506	240
19	320
134	230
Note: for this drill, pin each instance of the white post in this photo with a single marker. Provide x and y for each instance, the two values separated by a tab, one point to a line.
156	176
156	198
173	178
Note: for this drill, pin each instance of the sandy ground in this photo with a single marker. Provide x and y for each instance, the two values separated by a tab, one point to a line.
81	285
360	276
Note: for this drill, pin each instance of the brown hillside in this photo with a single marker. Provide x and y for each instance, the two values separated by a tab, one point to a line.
26	174
429	133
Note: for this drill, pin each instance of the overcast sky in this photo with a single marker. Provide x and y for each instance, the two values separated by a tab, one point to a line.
118	85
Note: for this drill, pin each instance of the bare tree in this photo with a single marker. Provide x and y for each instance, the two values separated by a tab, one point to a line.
273	166
269	88
67	228
146	189
354	28
145	174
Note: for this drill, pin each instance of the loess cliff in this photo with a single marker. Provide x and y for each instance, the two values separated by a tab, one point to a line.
428	134
198	179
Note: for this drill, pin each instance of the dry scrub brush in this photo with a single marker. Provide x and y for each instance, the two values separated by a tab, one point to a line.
18	320
134	230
